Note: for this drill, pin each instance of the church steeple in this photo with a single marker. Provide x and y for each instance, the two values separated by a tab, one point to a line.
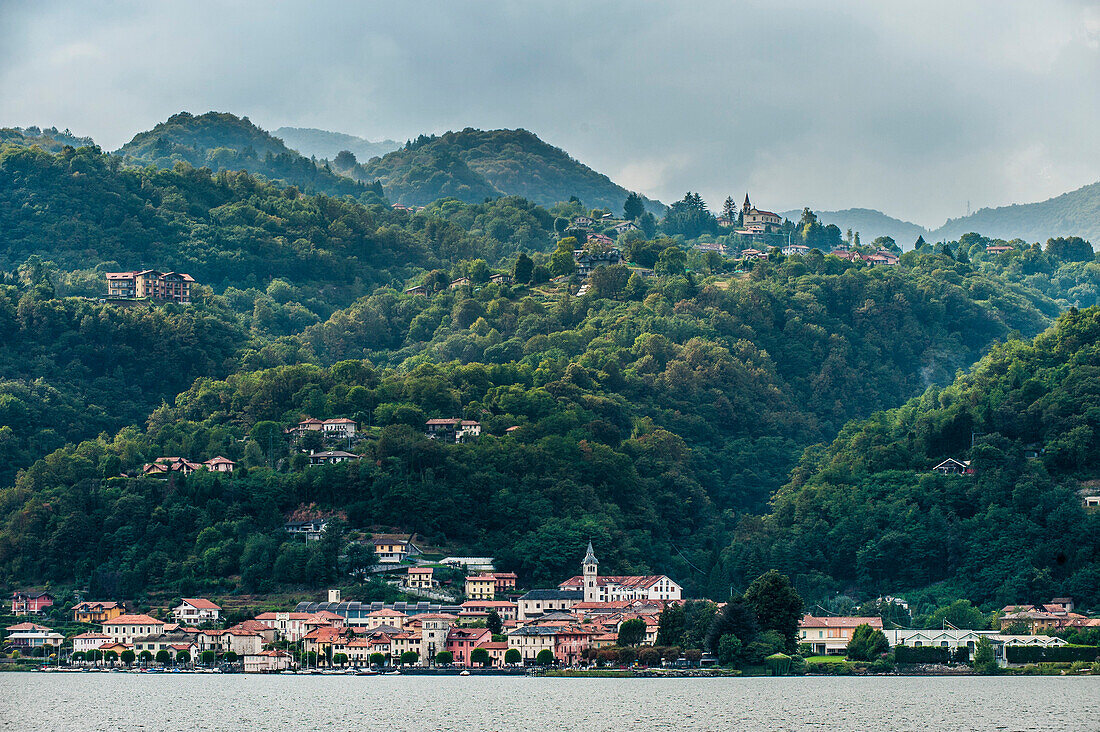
590	577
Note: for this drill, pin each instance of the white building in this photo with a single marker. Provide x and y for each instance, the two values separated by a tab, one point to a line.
196	611
615	588
267	662
89	641
125	628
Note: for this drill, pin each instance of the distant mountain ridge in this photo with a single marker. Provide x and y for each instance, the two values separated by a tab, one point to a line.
1076	213
310	141
474	164
869	223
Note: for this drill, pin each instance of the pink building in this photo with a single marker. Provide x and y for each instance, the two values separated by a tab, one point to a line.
30	603
462	641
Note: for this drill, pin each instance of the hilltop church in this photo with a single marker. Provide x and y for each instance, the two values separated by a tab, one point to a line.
615	588
755	221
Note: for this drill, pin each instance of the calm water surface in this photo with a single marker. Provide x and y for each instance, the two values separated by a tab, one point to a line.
393	703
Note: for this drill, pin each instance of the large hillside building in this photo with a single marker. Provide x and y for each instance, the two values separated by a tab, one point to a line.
149	283
615	588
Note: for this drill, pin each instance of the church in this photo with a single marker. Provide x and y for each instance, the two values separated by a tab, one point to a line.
755	221
616	588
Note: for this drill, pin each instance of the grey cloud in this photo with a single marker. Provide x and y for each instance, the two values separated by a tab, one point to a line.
913	109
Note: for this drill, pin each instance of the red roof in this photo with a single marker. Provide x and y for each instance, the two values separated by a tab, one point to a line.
809	621
134	620
200	604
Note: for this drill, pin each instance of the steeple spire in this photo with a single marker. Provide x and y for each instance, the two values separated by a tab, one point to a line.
590	557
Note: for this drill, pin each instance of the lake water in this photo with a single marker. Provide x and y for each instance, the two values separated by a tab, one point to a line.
234	702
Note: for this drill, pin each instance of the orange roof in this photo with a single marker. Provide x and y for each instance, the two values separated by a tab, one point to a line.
200	603
809	621
386	613
134	620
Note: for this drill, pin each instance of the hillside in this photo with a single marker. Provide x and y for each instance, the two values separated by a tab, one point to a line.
50	139
869	223
1076	213
867	516
326	145
474	164
222	141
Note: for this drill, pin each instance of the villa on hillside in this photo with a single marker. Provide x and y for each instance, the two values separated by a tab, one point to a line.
613	588
149	283
951	466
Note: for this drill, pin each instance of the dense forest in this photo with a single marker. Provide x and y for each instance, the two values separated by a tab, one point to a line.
690	417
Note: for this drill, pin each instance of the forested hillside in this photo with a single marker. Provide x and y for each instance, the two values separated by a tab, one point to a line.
222	141
327	145
474	164
1076	213
868	513
656	415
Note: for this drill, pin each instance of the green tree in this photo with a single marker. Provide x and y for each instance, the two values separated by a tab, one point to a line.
208	657
545	657
444	658
377	659
777	606
183	657
494	623
561	261
984	660
867	644
408	658
524	269
512	656
479	656
672	261
163	657
231	657
145	656
632	632
340	659
127	657
634	207
736	618
729	650
358	559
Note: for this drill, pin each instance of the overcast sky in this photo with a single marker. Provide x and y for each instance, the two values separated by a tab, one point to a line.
911	108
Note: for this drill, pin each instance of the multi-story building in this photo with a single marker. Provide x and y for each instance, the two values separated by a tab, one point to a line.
620	587
481	587
30	603
125	628
96	612
150	283
830	635
196	610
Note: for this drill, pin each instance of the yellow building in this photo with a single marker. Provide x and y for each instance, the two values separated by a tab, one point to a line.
96	612
481	587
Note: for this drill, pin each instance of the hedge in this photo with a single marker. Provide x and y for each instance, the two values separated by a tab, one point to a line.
1051	654
922	654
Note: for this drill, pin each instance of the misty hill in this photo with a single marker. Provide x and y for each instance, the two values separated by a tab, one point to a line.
326	145
474	164
1076	213
50	138
869	223
222	141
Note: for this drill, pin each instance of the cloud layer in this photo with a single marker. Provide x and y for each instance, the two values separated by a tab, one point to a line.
911	108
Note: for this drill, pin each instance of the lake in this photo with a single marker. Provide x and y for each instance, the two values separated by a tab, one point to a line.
105	701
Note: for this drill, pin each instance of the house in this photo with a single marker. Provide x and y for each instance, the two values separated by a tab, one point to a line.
587	261
453	428
32	635
89	642
165	465
460	282
174	643
149	283
30	603
291	626
750	254
882	257
830	636
481	587
220	464
266	662
999	249
625	226
582	222
951	466
394	548
506	610
420	578
243	642
622	587
434	628
386	616
196	611
331	457
726	222
711	247
1092	501
96	612
530	640
501	278
795	250
255	626
125	628
309	424
496	651
341	427
312	529
570	642
462	641
847	255
539	602
505	582
416	290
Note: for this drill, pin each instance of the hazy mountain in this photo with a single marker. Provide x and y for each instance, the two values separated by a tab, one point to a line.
1076	213
50	138
473	164
869	223
222	141
325	144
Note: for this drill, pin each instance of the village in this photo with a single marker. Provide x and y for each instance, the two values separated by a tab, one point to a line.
587	620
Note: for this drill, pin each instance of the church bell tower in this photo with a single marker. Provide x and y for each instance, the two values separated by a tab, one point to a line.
591	569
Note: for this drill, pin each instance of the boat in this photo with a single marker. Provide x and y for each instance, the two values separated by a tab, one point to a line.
464	673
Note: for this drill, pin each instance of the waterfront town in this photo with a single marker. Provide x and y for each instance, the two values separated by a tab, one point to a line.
587	619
